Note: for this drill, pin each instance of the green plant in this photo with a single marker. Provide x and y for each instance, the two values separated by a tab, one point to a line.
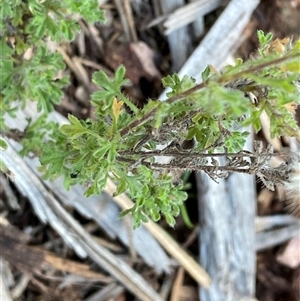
28	69
122	143
26	26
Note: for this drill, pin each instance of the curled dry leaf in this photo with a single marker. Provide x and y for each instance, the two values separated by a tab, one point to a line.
291	256
138	59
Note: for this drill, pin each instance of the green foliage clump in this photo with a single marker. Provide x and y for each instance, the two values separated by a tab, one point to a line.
128	145
122	145
25	27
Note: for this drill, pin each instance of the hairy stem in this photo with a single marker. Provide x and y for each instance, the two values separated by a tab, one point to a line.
220	80
159	153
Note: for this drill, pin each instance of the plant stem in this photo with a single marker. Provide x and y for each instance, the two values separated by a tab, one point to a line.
160	153
220	80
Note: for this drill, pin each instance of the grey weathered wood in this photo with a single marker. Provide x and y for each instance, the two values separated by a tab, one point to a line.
188	13
109	292
198	24
227	210
265	223
179	40
4	291
272	238
10	196
222	40
18	290
227	239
